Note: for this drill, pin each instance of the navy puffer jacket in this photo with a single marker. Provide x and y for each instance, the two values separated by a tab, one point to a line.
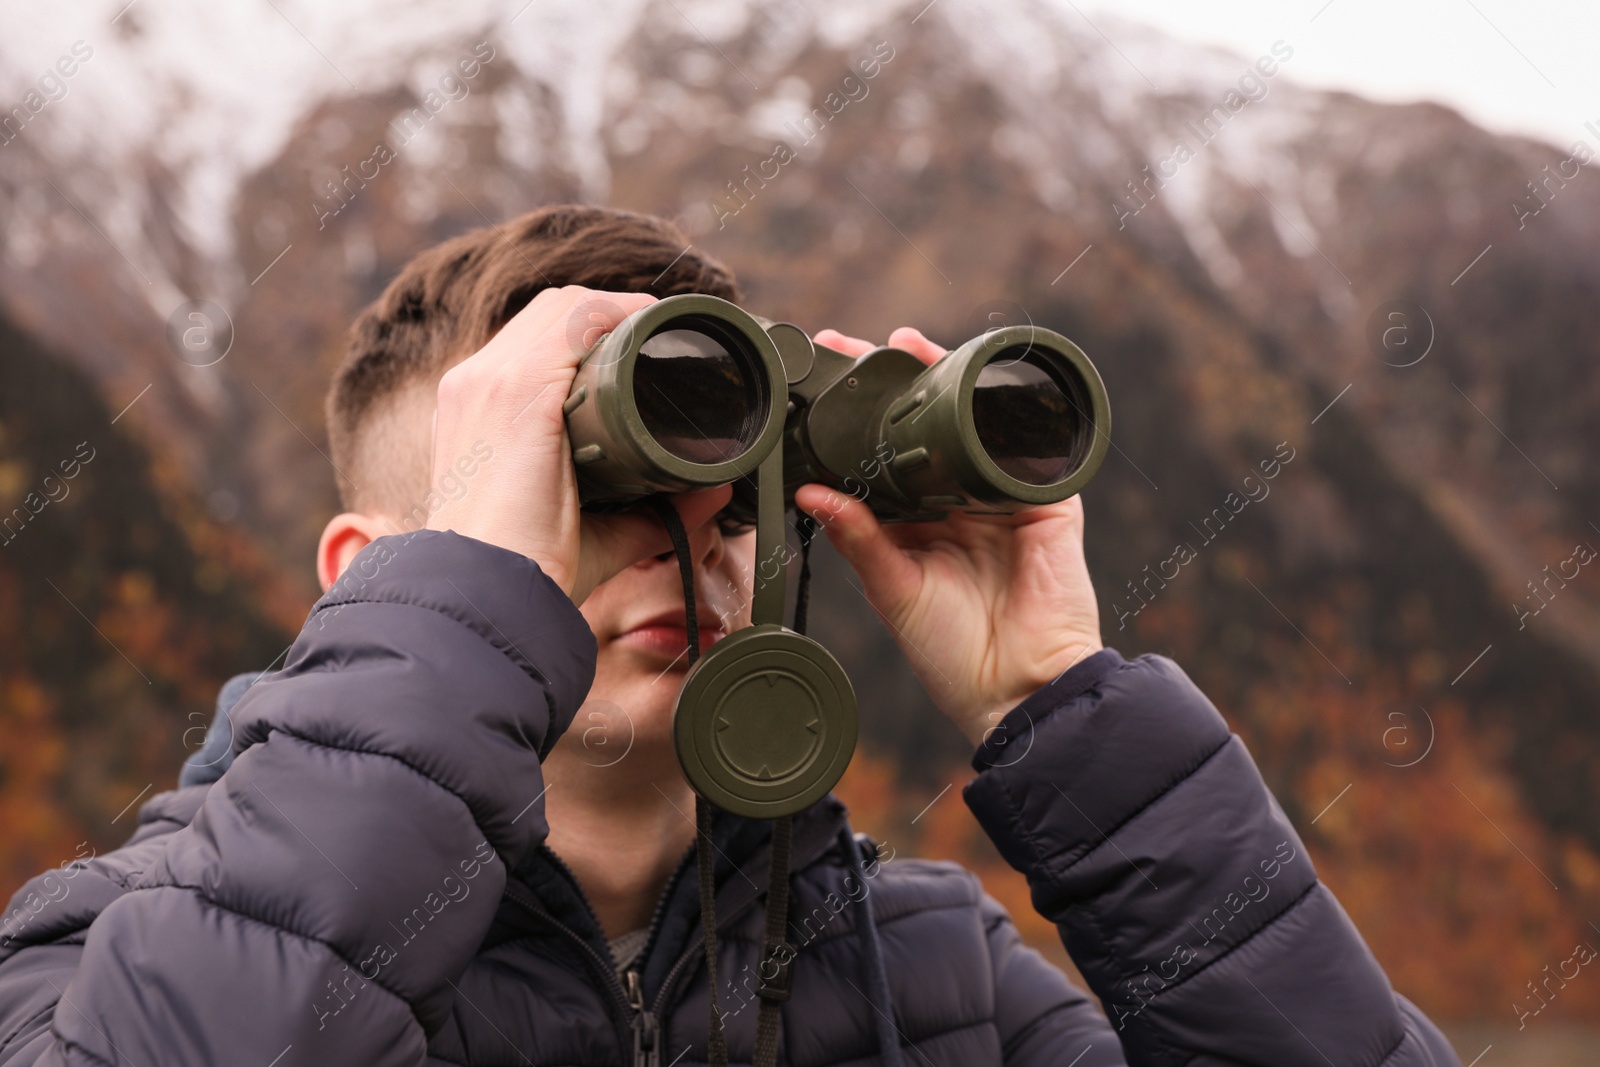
367	885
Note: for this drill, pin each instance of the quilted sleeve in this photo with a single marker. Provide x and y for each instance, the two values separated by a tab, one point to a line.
1179	886
339	877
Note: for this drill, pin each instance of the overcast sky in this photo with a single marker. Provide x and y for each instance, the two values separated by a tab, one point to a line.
1523	66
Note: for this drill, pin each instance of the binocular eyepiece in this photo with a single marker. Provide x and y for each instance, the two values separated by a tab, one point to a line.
693	392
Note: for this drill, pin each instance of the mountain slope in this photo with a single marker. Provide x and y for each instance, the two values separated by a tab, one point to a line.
122	609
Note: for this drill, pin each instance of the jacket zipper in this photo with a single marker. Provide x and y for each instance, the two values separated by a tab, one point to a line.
645	1023
642	1028
646	1031
694	952
606	969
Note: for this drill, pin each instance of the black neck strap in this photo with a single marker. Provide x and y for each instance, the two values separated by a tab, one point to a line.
777	955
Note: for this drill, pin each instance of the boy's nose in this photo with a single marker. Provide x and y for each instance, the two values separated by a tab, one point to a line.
706	546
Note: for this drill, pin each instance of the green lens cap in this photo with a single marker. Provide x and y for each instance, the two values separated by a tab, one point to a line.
766	723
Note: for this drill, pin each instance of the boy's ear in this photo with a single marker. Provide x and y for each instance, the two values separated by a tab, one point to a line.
345	535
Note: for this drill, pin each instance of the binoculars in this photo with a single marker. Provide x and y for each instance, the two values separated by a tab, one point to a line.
693	392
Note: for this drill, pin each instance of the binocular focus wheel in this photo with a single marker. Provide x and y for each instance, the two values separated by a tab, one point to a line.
765	723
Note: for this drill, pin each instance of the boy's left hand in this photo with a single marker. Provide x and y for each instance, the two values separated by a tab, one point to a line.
988	608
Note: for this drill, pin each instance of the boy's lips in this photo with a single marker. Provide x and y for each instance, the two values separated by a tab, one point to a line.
664	635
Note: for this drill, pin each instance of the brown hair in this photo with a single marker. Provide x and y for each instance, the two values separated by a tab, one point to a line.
449	300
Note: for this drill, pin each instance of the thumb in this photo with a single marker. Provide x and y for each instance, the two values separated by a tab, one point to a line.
889	577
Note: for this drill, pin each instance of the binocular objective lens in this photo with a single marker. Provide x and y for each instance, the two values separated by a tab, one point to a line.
699	400
1027	422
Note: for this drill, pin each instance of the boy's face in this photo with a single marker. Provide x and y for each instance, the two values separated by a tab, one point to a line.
637	619
638	624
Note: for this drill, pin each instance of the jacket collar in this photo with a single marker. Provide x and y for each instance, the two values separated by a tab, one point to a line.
743	861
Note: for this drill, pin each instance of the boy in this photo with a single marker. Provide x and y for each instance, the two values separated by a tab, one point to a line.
396	852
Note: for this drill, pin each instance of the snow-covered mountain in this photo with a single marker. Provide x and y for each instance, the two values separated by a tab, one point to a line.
172	107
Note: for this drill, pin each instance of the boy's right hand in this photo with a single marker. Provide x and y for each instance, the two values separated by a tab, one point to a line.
509	393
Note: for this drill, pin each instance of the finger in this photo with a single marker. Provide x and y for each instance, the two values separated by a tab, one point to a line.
598	313
573	317
547	307
911	340
522	375
890	578
850	346
1070	509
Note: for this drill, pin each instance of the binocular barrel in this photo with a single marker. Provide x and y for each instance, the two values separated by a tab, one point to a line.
686	393
692	392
